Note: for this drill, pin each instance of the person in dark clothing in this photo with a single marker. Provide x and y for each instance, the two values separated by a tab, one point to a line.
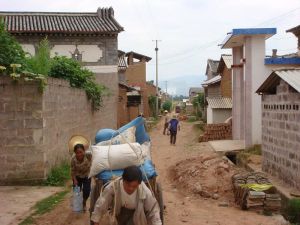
173	128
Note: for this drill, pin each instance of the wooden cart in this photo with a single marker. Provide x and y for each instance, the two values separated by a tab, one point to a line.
156	187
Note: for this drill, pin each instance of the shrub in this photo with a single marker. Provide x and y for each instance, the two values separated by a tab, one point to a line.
58	175
11	51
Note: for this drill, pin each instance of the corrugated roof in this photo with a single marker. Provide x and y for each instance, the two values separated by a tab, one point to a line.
219	103
213	80
291	76
100	22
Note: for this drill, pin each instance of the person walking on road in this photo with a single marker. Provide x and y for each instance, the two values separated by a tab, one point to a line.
173	128
166	125
130	199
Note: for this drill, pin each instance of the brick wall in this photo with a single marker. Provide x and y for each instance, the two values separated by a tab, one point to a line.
280	134
35	127
123	114
226	85
136	76
218	131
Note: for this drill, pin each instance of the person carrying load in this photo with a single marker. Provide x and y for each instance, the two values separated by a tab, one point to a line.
130	200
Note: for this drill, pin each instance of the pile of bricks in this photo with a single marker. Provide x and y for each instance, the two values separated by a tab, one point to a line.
218	131
268	200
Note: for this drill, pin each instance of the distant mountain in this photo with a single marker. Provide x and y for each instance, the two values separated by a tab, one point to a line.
181	85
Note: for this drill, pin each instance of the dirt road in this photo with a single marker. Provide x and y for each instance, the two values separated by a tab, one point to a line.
181	207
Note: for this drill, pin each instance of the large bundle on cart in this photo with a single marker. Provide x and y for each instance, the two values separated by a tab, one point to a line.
117	149
255	191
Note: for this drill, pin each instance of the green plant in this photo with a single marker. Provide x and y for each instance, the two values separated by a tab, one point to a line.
44	206
41	62
48	204
152	104
167	105
79	77
11	51
58	175
293	211
198	101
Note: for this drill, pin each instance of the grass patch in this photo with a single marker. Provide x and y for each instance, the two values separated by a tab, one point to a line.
49	203
244	155
192	119
29	220
58	175
293	211
44	206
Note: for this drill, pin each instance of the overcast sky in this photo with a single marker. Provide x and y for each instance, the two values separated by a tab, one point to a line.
190	30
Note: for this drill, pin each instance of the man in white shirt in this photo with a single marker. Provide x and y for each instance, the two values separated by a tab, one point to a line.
131	200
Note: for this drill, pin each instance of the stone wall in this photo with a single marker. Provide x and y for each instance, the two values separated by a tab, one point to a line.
35	127
280	134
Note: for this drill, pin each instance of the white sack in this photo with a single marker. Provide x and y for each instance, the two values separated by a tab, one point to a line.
146	148
116	157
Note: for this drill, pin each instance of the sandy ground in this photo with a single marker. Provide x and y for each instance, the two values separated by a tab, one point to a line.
16	202
182	205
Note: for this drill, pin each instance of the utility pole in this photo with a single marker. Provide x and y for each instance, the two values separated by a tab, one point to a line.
156	50
166	86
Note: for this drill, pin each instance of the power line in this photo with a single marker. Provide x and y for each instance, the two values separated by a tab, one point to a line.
190	53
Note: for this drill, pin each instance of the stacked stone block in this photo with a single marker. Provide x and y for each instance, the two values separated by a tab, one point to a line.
219	131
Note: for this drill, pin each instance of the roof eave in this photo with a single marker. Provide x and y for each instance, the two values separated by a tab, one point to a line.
233	38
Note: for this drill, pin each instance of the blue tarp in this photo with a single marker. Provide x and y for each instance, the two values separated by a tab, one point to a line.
147	168
140	133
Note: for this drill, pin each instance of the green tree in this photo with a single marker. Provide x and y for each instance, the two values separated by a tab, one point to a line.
167	105
198	101
11	51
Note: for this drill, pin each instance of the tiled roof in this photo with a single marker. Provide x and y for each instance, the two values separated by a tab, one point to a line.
219	103
196	90
291	76
138	56
226	60
295	30
213	80
213	65
100	22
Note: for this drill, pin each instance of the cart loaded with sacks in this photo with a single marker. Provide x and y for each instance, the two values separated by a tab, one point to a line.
115	150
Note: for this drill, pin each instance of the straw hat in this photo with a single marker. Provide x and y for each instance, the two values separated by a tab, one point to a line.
78	139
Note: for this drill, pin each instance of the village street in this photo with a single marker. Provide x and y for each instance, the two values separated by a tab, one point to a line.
182	207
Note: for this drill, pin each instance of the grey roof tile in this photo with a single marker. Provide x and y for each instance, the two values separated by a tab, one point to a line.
100	22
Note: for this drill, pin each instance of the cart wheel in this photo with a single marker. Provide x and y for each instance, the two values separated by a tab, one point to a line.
159	198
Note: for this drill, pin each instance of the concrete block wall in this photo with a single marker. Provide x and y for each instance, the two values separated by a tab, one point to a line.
280	134
35	127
